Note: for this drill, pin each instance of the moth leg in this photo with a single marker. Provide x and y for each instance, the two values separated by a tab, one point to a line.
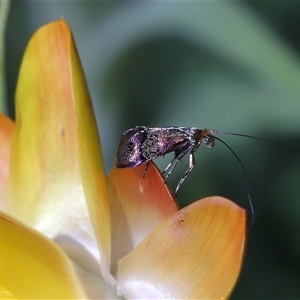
169	165
190	168
177	158
144	173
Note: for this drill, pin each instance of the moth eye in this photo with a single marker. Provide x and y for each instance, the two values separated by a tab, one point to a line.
208	141
211	144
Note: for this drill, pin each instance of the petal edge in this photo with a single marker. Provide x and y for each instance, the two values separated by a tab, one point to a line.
195	254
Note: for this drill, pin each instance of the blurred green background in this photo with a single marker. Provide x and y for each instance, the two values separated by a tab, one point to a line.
229	66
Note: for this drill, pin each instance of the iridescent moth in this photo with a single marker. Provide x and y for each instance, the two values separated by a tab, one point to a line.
142	144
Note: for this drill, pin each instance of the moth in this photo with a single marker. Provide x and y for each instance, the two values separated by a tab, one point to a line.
143	144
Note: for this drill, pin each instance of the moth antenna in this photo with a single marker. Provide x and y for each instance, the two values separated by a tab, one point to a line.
254	138
246	178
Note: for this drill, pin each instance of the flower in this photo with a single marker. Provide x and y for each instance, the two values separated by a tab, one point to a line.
69	231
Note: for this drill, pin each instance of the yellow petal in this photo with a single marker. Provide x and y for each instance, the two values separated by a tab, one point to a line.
56	146
195	254
32	266
5	294
6	131
44	155
91	163
137	205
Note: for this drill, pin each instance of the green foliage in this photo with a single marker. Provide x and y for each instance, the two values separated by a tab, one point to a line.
4	8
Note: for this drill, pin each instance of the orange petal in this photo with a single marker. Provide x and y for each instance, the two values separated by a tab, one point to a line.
138	205
54	144
6	130
32	266
195	254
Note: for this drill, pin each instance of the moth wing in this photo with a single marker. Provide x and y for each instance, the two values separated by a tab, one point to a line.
129	149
